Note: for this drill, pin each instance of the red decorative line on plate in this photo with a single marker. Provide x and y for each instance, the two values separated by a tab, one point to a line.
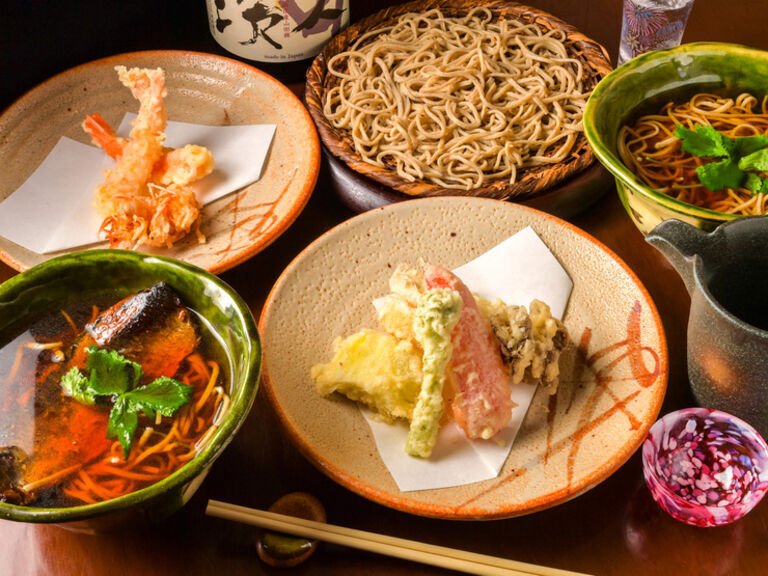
632	350
262	215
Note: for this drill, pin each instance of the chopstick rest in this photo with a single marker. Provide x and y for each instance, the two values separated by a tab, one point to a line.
281	551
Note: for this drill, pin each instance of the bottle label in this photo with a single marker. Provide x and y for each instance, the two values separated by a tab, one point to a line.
276	30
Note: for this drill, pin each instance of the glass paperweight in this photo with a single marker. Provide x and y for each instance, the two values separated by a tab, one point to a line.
705	467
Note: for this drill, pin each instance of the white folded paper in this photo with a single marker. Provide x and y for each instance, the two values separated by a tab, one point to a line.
518	270
53	209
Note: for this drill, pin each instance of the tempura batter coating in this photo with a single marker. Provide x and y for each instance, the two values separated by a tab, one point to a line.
144	198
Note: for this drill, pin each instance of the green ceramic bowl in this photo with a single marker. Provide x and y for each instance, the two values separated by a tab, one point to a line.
643	85
62	281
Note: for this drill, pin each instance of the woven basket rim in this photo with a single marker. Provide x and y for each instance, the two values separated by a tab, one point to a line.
530	181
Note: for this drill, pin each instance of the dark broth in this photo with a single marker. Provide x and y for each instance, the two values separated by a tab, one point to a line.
32	404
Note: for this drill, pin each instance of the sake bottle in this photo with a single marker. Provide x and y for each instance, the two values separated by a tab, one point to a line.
282	35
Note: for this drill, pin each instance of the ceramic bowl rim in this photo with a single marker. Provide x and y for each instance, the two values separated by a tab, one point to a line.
242	400
614	163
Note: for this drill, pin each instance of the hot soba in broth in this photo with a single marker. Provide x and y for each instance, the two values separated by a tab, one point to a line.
101	400
707	150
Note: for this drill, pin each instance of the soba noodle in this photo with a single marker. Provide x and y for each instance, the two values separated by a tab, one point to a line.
651	150
461	101
157	453
161	446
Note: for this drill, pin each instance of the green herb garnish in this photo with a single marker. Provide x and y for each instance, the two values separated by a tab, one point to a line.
704	141
755	161
111	373
740	157
114	376
76	386
755	184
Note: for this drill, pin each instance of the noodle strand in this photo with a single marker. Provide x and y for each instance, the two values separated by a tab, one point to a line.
652	151
458	101
156	454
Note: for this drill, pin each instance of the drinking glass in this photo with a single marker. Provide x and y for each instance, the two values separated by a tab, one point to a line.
705	467
651	25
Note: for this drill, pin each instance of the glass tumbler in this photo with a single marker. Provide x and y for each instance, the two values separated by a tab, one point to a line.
705	467
651	25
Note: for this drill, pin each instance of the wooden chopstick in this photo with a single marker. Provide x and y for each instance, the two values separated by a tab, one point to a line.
452	559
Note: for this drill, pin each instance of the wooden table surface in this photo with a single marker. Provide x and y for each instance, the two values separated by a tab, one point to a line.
615	528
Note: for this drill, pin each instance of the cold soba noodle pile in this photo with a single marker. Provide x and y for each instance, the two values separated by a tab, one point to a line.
651	149
458	101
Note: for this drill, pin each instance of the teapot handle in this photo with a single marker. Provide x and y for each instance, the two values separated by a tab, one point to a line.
680	243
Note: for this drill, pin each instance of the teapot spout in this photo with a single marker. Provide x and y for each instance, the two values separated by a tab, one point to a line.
680	243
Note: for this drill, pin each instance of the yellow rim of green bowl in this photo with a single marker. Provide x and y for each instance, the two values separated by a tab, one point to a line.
614	164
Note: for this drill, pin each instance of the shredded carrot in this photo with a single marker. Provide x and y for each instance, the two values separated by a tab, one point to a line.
75	329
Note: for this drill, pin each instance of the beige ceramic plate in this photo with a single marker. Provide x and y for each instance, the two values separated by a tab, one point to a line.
614	373
204	89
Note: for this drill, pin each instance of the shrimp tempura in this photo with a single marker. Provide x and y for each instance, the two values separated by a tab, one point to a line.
144	198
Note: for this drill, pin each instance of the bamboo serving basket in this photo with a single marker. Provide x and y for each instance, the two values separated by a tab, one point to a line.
530	181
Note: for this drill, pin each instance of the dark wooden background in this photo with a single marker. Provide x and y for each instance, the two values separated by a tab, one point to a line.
613	529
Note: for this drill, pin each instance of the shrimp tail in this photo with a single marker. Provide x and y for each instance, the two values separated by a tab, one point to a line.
180	166
103	135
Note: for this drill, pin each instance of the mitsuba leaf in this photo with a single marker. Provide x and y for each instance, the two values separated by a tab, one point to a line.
704	141
740	156
719	175
123	421
110	372
76	385
164	395
753	183
748	145
757	161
